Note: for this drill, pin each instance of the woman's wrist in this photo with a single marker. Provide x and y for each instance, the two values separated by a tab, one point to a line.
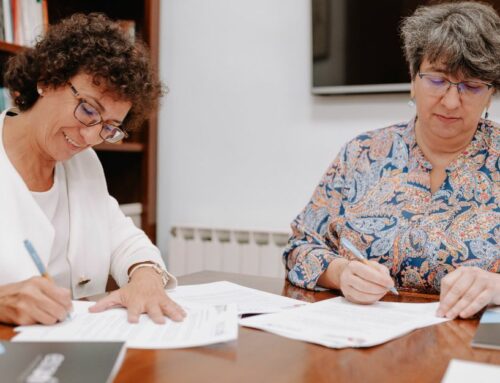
152	266
331	276
146	273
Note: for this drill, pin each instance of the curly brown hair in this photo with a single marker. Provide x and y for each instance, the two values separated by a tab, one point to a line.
91	44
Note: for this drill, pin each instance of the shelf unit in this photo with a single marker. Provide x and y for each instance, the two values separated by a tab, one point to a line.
130	167
10	48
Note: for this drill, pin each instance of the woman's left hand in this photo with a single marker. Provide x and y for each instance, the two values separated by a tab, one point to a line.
467	290
143	294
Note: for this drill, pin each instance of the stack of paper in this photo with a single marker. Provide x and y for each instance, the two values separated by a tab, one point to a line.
212	310
248	301
203	325
338	323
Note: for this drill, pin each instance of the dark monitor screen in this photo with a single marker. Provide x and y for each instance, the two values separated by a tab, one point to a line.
356	45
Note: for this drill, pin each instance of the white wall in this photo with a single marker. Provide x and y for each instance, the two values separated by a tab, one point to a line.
242	142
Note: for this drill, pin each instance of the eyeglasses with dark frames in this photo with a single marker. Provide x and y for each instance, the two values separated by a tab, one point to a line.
88	115
437	85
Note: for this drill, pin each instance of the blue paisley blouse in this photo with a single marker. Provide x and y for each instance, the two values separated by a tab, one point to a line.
377	194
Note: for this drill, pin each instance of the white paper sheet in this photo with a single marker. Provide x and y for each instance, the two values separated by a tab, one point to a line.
204	324
337	323
461	371
248	301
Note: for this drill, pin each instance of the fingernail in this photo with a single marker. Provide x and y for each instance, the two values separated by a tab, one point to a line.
439	313
181	311
181	315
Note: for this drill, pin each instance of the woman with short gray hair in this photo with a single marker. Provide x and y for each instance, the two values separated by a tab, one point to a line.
465	35
420	200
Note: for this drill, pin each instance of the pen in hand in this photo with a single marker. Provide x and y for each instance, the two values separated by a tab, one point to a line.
39	264
348	244
36	259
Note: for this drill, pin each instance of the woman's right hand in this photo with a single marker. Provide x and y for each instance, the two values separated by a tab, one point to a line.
35	300
365	283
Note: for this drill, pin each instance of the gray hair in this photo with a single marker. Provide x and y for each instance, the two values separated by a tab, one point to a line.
465	36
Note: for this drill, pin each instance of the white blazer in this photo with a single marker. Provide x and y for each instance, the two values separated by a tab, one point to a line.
101	239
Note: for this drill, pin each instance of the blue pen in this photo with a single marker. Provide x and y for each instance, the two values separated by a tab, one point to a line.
348	244
39	264
36	259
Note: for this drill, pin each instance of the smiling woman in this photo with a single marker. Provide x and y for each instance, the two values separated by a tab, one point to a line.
420	199
74	120
83	83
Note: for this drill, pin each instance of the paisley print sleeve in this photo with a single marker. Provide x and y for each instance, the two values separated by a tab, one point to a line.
313	243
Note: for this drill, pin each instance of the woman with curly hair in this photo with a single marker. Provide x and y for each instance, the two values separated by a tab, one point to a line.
83	83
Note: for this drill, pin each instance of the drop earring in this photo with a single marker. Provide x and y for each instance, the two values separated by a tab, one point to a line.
486	114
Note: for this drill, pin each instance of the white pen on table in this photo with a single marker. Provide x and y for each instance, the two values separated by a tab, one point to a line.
348	244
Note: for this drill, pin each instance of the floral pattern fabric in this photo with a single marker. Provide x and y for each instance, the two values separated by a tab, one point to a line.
377	194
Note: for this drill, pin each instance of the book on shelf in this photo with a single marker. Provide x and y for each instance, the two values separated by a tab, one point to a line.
7	21
23	21
60	361
2	29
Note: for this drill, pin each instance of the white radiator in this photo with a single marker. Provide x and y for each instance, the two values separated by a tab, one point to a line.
193	249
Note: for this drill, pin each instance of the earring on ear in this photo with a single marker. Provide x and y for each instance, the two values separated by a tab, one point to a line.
486	114
40	91
411	103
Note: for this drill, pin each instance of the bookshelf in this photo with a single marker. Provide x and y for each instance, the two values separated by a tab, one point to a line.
130	167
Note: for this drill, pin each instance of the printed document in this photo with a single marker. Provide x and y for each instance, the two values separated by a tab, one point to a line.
248	301
461	371
204	324
337	323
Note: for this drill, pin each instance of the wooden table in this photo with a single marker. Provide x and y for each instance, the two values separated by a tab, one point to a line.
258	357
